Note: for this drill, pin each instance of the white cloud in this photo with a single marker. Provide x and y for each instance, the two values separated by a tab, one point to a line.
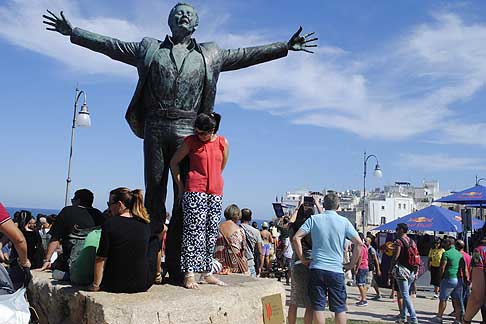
471	133
21	24
441	162
405	89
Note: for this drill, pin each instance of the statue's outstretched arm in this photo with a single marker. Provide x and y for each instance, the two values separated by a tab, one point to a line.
126	52
234	59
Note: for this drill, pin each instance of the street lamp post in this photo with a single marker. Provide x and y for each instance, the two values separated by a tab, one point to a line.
377	173
479	180
82	120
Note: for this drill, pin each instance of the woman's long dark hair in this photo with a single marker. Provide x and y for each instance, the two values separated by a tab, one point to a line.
303	214
22	218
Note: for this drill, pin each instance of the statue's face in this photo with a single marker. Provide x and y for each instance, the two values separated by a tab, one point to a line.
183	19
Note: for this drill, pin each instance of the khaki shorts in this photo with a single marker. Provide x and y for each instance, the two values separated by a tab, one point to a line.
299	284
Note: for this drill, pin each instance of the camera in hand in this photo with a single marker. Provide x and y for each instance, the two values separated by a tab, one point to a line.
308	201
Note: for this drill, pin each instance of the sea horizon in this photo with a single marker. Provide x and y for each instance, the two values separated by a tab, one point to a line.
50	211
35	211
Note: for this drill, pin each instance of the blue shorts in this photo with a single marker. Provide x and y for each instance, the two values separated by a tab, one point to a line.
324	283
361	277
266	249
452	287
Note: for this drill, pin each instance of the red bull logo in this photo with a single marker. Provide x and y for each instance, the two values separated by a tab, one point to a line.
458	218
421	220
472	194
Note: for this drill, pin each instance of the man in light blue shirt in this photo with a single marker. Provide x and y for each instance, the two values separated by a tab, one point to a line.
329	232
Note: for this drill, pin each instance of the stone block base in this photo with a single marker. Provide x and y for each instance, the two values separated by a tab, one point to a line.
239	302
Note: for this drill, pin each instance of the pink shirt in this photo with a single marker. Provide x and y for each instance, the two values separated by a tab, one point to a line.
467	260
3	214
364	258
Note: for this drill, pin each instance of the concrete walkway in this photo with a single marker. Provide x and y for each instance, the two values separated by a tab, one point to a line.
386	310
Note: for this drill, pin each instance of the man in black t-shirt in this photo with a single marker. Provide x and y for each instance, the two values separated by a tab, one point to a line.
70	216
85	198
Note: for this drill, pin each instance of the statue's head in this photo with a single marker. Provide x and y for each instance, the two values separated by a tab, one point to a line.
183	19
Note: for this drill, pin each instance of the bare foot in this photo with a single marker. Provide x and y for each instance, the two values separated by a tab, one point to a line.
190	283
212	280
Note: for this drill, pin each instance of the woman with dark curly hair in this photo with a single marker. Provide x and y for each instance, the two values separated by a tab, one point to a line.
300	272
202	196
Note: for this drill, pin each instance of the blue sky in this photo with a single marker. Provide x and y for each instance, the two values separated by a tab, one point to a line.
403	80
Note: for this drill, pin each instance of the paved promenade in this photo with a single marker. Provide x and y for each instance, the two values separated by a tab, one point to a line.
387	310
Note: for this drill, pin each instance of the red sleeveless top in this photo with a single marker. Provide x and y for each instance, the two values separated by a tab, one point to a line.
205	162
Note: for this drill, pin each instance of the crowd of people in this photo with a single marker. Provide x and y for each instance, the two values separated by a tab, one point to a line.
316	248
117	251
313	248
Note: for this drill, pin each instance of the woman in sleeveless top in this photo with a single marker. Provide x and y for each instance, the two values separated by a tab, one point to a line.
231	243
202	197
300	273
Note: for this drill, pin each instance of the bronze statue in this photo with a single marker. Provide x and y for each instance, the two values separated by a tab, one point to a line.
177	81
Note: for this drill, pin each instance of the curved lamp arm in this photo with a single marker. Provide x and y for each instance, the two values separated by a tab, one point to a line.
378	171
76	100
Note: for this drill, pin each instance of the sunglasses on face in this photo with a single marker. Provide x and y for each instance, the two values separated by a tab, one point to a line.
110	203
199	133
203	133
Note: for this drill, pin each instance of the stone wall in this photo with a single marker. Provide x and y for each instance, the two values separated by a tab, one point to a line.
239	302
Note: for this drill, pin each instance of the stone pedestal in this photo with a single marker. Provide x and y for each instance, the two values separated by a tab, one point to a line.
239	302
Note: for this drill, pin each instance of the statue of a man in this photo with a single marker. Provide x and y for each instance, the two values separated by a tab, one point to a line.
177	81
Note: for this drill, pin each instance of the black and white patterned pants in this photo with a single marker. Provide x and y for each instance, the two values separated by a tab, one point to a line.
202	213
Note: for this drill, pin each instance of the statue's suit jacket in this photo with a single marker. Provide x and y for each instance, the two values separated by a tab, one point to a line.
141	54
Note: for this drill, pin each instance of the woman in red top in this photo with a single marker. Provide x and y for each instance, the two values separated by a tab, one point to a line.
202	196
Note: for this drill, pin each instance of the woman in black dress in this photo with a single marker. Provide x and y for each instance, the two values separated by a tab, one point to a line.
122	260
35	250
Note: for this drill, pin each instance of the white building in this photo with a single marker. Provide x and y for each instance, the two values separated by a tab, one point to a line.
382	206
381	211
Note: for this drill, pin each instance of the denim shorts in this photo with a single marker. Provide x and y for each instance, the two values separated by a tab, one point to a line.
451	287
324	283
361	277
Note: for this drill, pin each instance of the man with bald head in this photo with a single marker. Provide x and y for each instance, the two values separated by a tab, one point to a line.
177	81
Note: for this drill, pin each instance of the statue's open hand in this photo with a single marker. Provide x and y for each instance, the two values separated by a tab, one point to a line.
301	43
61	25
